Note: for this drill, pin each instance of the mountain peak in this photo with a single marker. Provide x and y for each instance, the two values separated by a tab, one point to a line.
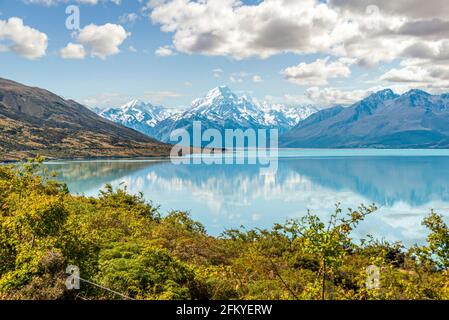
372	102
134	103
386	94
417	92
222	91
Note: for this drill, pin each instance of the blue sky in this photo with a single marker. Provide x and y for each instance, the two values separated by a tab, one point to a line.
319	68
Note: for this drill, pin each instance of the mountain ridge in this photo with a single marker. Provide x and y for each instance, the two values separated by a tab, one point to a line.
415	119
220	108
35	121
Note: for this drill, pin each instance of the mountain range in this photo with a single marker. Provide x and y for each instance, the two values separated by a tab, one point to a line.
219	109
138	115
384	119
34	121
415	119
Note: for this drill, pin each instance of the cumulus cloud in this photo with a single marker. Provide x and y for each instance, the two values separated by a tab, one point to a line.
409	8
316	73
25	41
231	28
369	31
99	41
164	51
129	18
333	96
410	74
73	51
102	41
430	78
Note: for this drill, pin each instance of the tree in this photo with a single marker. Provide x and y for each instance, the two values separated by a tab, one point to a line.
330	242
437	249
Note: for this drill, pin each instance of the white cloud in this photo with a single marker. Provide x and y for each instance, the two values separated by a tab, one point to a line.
238	77
106	100
434	79
316	73
368	32
217	72
113	99
333	96
102	41
129	18
25	41
408	8
165	51
99	41
409	74
257	78
73	51
231	28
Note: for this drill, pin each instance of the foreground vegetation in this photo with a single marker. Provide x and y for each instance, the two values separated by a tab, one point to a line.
120	242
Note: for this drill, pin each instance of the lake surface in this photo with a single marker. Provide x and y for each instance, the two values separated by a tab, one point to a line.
405	184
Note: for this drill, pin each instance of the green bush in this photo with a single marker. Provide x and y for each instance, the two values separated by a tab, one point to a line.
124	248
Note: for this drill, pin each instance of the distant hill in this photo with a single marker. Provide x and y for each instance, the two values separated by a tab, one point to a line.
35	122
415	119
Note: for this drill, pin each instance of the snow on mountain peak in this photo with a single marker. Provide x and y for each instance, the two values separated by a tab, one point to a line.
132	103
216	96
139	105
136	113
219	107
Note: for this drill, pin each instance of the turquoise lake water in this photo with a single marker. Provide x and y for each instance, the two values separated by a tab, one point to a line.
405	185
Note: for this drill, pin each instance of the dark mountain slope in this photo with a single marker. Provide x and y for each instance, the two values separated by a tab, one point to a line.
34	121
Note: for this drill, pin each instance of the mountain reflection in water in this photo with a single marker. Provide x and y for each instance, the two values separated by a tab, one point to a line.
228	196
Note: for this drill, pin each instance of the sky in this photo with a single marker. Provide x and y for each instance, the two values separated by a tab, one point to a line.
169	52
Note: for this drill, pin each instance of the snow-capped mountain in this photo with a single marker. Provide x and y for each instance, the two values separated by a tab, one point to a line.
219	109
285	117
222	109
221	104
137	115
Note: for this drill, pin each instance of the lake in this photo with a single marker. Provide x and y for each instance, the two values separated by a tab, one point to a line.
405	185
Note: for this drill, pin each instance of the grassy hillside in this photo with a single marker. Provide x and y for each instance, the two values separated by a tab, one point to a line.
35	122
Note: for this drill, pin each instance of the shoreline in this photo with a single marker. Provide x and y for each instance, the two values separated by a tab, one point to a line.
197	151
